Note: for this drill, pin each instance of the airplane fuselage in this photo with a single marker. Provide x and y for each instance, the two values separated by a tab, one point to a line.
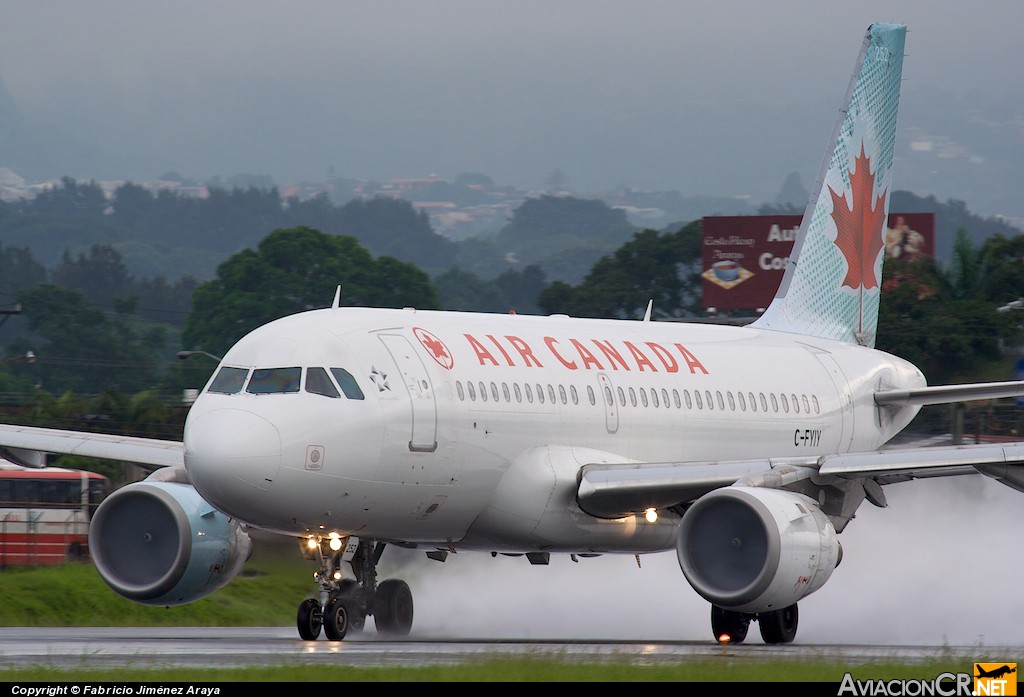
452	408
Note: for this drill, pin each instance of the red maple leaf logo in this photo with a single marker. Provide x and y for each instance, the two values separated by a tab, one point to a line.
438	351
859	231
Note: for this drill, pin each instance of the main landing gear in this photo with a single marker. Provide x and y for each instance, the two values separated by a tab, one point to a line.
777	626
345	603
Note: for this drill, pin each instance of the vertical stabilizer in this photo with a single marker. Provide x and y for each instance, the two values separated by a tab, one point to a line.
833	279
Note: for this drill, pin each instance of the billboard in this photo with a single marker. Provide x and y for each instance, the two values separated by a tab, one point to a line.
744	256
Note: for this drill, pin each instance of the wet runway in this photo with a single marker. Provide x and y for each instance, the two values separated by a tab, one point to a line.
222	647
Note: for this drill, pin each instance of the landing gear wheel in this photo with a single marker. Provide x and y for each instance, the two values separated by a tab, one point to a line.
337	614
392	607
726	623
310	619
779	626
349	588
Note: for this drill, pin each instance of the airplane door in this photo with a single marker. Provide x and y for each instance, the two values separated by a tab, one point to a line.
839	380
423	437
607	395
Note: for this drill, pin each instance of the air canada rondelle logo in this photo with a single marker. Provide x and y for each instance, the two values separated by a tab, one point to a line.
435	347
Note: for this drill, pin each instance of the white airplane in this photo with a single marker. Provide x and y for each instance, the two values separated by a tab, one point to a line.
747	450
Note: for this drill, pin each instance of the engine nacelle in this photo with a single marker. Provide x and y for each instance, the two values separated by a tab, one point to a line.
160	543
749	549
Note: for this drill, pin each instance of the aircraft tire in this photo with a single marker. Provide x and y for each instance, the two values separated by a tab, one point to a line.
732	624
392	607
310	619
779	626
337	614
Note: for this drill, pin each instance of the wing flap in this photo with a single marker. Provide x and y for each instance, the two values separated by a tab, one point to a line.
144	451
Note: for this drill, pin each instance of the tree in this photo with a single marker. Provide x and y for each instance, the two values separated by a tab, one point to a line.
82	349
663	267
297	269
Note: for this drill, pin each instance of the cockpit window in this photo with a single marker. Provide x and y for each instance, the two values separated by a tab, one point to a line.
274	380
229	380
317	382
347	383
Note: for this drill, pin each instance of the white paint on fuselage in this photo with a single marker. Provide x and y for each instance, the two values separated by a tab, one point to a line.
368	481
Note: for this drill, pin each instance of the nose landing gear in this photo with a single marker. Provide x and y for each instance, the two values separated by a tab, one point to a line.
345	603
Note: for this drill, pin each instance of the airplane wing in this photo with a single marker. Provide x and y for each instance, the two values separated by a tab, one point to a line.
615	490
23	445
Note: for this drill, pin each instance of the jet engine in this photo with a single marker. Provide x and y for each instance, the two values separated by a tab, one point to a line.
160	543
751	549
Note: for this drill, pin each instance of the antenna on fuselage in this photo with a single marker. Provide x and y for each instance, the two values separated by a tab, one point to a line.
650	306
337	298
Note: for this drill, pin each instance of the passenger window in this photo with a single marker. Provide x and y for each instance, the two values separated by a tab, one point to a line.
317	382
561	393
462	393
590	395
753	401
575	396
742	400
775	402
529	393
686	398
519	394
732	402
654	397
643	396
551	394
347	383
540	393
472	391
229	380
622	397
664	398
632	396
697	397
764	402
494	392
817	407
785	403
675	398
807	406
274	380
608	396
504	391
483	392
796	403
707	398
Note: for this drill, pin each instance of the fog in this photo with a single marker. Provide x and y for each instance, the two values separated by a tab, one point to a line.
704	98
940	566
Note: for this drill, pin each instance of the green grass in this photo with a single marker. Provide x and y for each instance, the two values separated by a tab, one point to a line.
266	594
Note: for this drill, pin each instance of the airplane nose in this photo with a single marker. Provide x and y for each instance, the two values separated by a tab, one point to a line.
228	447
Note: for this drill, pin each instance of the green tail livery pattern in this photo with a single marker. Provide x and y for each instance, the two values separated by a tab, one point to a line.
832	282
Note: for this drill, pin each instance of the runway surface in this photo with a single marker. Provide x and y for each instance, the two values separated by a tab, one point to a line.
192	647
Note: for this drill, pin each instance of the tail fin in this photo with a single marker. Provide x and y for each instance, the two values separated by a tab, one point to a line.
833	279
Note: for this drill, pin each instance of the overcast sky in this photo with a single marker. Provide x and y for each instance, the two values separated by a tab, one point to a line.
707	98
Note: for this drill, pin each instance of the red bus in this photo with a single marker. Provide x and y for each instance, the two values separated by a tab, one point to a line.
45	513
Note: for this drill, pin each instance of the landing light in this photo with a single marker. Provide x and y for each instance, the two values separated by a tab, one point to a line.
337	575
335	543
311	542
651	515
724	639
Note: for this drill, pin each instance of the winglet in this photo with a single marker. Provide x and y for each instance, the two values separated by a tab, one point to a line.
832	283
647	314
337	298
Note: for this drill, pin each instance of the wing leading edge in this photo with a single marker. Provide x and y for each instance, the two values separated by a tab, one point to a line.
22	444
